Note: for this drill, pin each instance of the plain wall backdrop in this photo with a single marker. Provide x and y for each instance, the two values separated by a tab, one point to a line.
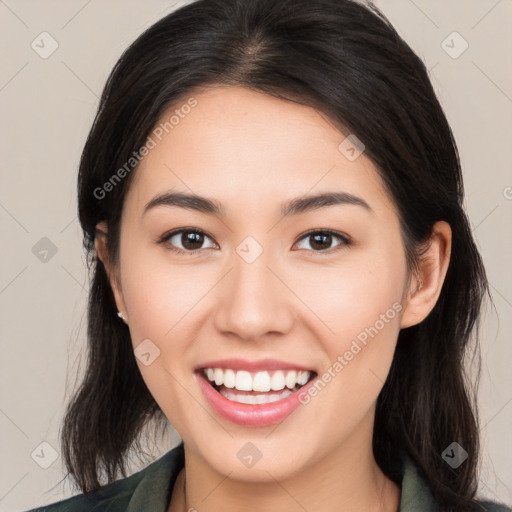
56	56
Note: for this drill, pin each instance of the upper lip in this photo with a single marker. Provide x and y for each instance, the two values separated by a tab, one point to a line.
259	365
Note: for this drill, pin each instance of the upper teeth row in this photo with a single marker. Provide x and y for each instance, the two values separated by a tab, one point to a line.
260	381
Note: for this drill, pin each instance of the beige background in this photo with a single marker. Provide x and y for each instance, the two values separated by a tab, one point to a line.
46	109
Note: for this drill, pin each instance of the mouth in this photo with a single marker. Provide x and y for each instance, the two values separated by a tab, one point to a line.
256	388
259	395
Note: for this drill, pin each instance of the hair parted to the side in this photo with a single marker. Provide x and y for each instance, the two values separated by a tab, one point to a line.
347	61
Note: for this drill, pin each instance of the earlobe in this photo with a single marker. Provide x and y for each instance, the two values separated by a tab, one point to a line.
425	287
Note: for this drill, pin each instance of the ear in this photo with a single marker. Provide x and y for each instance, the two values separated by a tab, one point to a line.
425	286
100	242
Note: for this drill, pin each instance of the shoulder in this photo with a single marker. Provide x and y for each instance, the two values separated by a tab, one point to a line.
153	483
416	494
489	506
113	497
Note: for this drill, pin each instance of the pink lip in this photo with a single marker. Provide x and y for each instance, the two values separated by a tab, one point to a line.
262	364
249	415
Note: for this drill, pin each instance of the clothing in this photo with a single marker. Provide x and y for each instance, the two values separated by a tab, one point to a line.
150	490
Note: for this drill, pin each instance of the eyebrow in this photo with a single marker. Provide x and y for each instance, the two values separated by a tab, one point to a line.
292	207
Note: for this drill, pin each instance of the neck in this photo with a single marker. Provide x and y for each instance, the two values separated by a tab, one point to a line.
347	479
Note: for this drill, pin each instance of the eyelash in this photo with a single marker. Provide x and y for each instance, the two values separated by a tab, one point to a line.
345	241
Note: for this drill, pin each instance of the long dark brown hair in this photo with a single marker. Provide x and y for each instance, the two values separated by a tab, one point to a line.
344	59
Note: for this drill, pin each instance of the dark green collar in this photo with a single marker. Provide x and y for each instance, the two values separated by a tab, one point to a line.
415	494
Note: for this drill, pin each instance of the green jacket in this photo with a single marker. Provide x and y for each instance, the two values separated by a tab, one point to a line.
150	489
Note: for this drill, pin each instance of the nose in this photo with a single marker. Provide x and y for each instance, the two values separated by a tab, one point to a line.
254	300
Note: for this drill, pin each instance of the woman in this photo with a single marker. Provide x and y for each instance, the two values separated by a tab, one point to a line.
282	269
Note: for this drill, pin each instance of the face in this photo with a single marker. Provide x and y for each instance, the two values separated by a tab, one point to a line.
317	290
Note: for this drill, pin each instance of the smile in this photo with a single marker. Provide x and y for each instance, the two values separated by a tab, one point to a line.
256	387
253	397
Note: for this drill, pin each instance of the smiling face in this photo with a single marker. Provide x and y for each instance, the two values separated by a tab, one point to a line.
262	285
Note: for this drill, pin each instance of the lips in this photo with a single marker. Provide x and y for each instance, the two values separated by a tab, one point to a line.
253	394
253	366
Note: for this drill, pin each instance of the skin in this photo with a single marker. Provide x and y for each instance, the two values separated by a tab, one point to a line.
251	152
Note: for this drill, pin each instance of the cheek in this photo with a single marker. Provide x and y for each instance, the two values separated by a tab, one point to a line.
159	298
349	297
157	292
360	303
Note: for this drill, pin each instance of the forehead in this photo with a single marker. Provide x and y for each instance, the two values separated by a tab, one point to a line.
245	147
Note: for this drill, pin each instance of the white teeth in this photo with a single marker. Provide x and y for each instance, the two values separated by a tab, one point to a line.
229	379
291	379
278	381
243	381
260	381
219	376
255	399
302	378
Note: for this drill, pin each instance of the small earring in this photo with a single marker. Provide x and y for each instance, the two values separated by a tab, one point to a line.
121	316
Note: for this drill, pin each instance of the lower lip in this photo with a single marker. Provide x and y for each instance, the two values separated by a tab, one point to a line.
249	415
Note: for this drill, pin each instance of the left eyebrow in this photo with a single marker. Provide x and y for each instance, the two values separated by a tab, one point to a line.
322	200
292	207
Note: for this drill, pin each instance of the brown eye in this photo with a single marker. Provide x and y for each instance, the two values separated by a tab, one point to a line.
321	241
186	240
191	241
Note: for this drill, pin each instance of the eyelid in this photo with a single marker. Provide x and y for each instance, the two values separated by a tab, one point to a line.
169	234
345	239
